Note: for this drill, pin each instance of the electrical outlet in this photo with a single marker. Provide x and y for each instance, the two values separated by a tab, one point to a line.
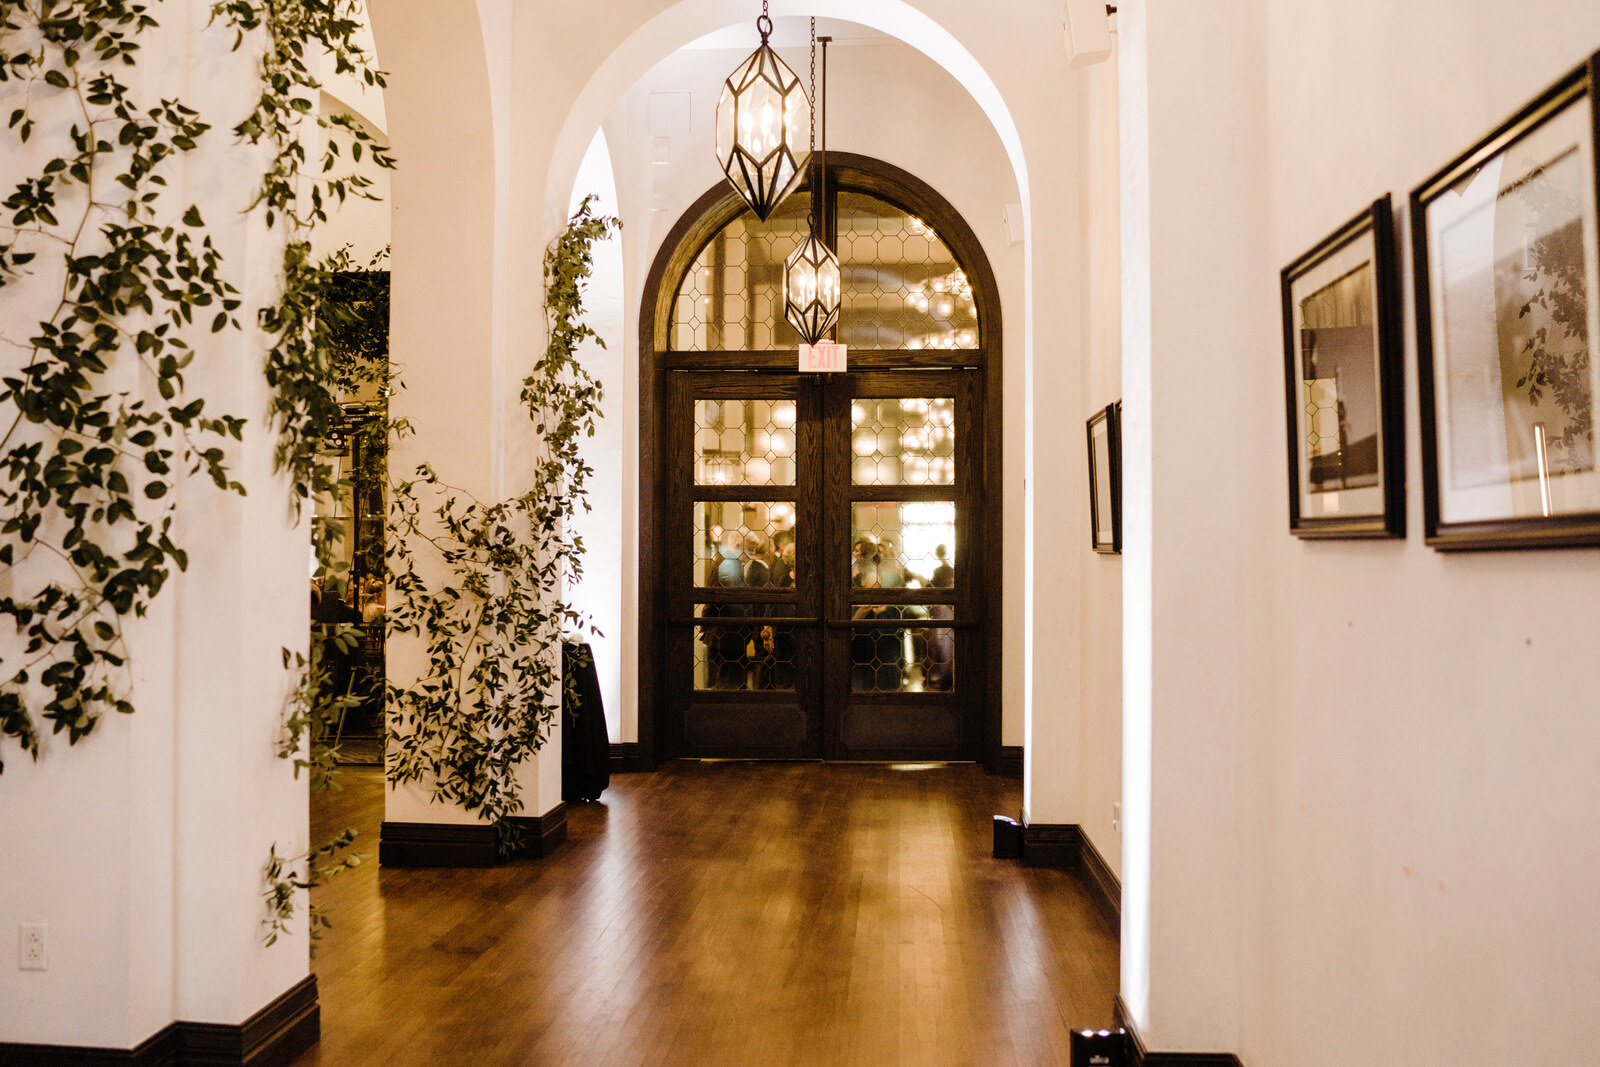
1116	816
33	956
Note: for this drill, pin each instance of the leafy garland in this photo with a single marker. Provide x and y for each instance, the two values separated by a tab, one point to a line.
303	365
493	626
91	454
92	449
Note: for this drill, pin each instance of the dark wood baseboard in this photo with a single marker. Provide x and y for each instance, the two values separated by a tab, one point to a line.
1139	1056
629	756
1107	886
542	834
427	844
272	1037
1006	760
1052	845
1066	846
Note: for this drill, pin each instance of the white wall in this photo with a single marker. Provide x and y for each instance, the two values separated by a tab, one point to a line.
1100	741
142	846
1373	772
608	567
361	224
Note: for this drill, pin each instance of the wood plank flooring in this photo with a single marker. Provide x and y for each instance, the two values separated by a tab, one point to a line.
721	913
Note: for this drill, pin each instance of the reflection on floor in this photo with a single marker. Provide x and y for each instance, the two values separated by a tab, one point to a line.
721	913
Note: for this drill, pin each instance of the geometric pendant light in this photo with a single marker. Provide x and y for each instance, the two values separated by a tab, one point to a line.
763	127
811	271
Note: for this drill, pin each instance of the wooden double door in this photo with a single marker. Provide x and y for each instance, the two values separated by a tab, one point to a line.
827	551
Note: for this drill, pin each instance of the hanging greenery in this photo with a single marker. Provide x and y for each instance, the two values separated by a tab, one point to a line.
103	271
492	625
306	362
115	278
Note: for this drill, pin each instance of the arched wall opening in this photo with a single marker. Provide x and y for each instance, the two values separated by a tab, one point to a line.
899	241
529	86
600	594
888	98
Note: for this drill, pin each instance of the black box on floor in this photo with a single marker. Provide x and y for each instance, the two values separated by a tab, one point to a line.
1007	838
1099	1048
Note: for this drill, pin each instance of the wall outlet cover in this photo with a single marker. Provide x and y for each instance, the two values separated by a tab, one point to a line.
32	955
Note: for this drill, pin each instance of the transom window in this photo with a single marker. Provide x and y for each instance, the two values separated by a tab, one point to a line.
902	287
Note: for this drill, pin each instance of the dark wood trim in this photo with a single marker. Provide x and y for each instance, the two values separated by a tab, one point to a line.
541	834
1139	1056
1102	879
428	844
1051	844
1067	847
677	251
1004	760
628	756
273	1036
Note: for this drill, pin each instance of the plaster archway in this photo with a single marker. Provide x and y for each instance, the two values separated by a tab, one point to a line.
531	82
658	36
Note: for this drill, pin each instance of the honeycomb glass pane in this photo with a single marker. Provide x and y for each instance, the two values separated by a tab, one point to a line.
903	544
903	441
744	545
735	648
902	286
891	659
744	442
731	297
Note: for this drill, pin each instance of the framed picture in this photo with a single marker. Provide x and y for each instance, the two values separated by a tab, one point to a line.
1341	353
1105	478
1508	320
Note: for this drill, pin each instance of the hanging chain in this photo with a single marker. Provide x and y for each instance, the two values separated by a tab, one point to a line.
764	23
813	145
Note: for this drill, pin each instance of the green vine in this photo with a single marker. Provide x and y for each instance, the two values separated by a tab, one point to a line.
94	418
306	361
288	878
111	270
493	625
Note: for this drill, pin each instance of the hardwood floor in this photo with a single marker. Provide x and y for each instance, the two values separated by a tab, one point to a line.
721	913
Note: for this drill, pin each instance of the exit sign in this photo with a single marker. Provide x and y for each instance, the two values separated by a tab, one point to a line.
826	358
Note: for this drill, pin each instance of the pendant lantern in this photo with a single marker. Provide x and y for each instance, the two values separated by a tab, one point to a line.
763	127
811	272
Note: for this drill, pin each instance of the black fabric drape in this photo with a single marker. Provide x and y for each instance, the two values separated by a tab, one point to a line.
585	745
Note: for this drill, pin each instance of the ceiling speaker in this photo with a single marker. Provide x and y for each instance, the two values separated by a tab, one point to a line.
1088	31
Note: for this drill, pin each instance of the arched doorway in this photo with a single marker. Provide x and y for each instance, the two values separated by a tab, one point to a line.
820	554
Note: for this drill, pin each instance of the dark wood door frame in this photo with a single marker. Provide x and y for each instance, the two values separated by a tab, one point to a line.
682	244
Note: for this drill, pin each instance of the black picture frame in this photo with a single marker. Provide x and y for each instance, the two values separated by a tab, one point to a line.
1343	381
1506	254
1105	479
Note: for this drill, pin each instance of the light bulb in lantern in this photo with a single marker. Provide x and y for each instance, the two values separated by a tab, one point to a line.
763	128
811	289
